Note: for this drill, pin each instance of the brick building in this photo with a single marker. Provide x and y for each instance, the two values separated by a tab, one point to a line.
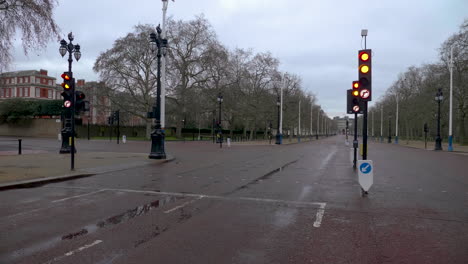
28	84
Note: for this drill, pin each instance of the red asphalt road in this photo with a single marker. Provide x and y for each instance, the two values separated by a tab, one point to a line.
236	206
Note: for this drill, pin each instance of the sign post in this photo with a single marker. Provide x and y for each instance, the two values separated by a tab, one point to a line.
365	174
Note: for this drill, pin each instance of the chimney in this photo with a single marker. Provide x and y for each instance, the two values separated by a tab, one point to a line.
43	72
80	82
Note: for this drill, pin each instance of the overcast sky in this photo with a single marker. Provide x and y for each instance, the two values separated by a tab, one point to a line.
316	39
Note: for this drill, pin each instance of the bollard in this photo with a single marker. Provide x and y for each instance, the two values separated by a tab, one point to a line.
124	139
229	142
19	146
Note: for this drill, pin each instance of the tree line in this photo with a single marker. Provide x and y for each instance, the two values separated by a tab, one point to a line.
416	90
199	68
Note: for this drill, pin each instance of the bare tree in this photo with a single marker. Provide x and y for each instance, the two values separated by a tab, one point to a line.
128	70
33	18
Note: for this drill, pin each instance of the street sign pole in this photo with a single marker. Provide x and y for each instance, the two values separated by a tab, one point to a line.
364	133
355	145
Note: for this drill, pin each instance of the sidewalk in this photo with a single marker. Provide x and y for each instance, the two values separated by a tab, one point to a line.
18	170
430	145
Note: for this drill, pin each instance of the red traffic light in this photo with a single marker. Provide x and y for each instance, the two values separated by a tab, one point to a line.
65	76
356	85
364	56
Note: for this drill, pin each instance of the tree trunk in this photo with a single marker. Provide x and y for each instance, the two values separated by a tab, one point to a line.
149	122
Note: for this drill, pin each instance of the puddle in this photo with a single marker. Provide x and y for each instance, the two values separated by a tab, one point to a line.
264	177
111	221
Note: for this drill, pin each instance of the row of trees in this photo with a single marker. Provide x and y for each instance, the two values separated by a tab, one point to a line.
416	89
199	68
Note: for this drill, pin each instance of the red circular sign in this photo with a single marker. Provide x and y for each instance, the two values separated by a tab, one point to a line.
356	108
365	93
67	104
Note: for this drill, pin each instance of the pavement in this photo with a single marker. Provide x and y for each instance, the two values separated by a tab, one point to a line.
297	203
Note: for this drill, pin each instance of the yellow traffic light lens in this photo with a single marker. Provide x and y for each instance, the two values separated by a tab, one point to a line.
355	85
356	93
66	86
364	69
364	56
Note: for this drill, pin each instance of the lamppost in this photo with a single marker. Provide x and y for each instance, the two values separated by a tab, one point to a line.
68	130
220	130
450	138
159	45
389	129
278	133
438	141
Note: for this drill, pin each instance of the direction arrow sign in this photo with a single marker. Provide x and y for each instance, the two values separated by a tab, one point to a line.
365	174
365	93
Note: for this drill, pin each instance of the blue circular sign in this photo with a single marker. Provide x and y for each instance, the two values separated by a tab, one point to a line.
365	168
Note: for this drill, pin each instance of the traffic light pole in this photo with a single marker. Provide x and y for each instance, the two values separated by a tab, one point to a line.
73	123
364	133
118	125
355	145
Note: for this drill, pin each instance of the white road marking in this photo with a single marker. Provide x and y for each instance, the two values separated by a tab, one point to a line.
317	223
182	205
77	196
327	159
319	216
70	253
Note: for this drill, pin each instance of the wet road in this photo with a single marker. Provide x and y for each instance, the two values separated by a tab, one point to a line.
297	203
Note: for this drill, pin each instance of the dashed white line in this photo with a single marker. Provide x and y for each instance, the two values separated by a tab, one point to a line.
70	253
319	216
182	205
78	196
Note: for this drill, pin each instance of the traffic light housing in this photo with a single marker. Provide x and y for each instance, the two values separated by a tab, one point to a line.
355	104
81	104
365	74
68	85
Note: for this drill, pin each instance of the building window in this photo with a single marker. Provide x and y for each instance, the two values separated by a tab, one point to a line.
19	92
38	92
2	92
26	92
38	80
49	93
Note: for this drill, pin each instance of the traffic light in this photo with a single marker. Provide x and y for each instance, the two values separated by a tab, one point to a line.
365	74
355	104
81	104
68	87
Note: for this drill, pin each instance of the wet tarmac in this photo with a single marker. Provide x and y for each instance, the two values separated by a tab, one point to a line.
298	203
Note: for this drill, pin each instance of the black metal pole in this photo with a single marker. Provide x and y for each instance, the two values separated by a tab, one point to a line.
157	137
88	127
118	125
220	128
438	143
72	112
19	147
213	126
355	144
111	120
389	129
364	133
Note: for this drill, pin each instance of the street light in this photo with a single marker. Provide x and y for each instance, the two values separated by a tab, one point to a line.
389	129
278	133
220	131
450	138
438	141
68	130
159	45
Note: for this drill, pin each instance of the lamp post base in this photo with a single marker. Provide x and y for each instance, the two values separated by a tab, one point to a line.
157	145
396	140
66	148
279	139
450	143
389	139
438	143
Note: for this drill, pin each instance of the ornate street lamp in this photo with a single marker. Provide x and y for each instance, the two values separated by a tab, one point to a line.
159	45
68	128
278	132
438	142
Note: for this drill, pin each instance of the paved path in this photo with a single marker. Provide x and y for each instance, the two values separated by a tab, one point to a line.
298	203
